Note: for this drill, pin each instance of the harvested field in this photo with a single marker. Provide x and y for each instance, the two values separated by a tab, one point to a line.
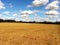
29	34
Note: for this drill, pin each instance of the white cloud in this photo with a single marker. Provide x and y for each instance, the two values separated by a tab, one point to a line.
58	20
51	21
26	13
53	5
2	17
17	20
7	12
29	5
24	16
39	19
29	12
40	2
2	5
52	12
15	14
51	17
10	18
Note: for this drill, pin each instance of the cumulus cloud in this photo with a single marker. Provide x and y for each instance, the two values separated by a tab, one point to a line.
40	2
17	20
52	17
53	5
51	21
25	15
52	12
15	14
2	5
26	12
25	18
29	12
39	19
48	19
58	20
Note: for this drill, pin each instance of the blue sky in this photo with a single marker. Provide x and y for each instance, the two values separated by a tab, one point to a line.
13	9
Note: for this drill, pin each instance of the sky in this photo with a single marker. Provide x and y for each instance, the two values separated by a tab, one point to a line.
30	10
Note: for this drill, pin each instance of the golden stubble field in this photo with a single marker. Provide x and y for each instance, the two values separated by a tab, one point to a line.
29	34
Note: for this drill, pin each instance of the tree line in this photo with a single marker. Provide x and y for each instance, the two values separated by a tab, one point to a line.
1	20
